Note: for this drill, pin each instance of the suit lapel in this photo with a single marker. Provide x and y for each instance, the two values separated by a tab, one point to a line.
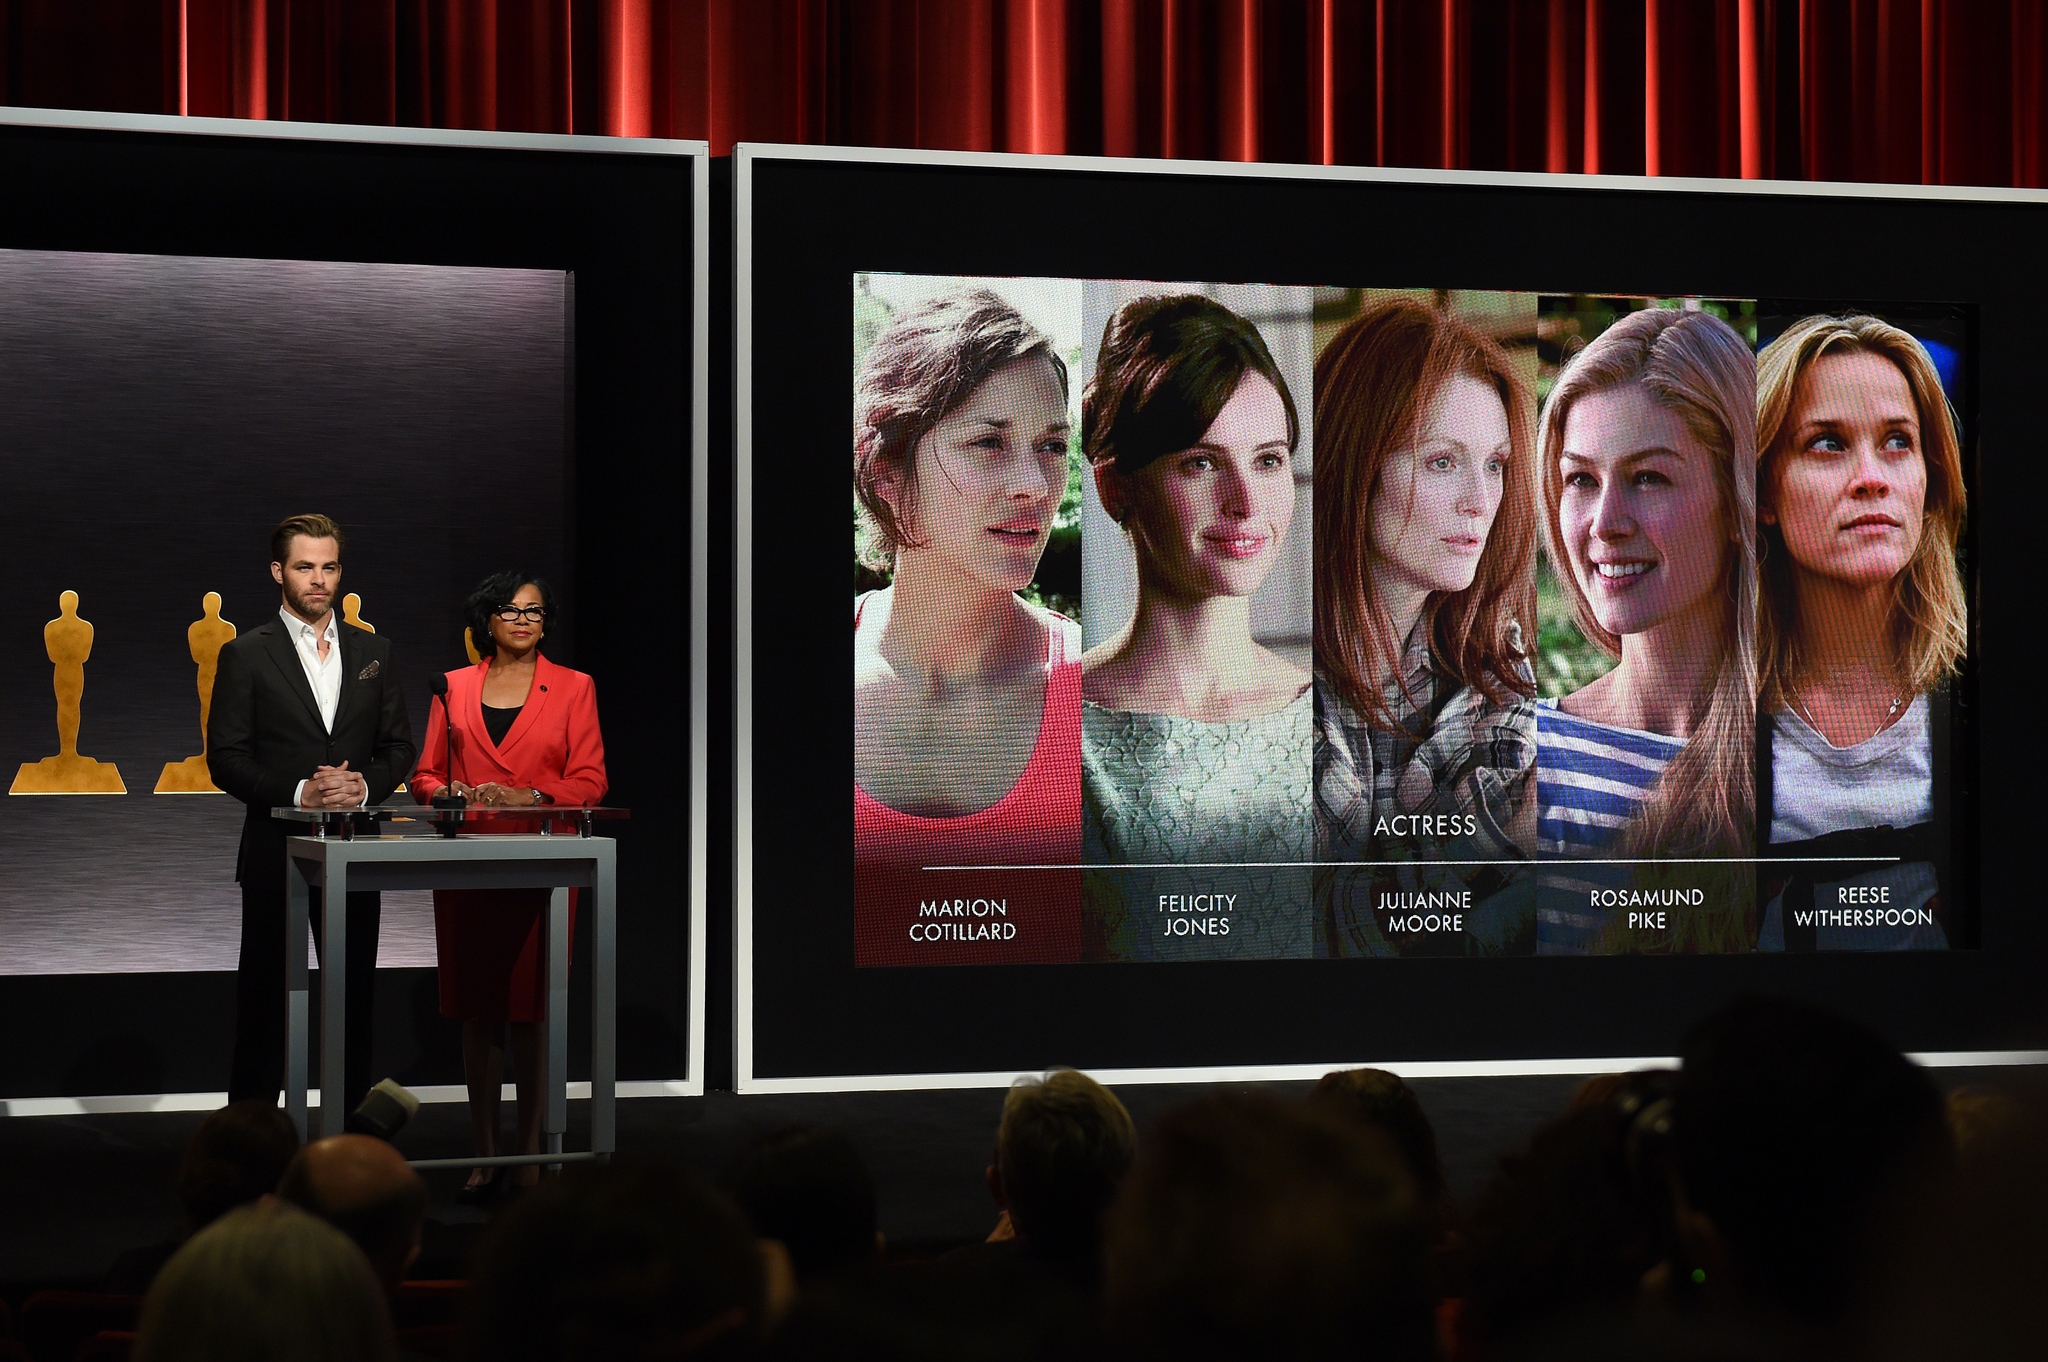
285	654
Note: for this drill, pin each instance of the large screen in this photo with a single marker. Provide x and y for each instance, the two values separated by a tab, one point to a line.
1307	616
1204	621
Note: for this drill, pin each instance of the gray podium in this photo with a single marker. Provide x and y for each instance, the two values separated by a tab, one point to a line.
413	847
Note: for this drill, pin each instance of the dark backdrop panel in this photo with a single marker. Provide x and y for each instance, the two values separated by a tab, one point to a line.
815	224
423	407
617	228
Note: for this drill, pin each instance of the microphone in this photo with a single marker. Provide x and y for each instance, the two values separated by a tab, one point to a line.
445	797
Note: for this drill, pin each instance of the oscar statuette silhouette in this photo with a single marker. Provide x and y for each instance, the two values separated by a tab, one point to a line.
207	636
68	640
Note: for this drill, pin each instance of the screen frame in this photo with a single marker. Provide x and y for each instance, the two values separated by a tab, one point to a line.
697	250
746	156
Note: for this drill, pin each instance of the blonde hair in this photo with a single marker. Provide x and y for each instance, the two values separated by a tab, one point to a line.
1694	365
266	1280
1375	382
1930	628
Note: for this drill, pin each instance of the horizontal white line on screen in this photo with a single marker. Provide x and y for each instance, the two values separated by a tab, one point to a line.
1560	863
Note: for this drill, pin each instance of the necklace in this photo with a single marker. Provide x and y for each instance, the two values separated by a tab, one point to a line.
1804	710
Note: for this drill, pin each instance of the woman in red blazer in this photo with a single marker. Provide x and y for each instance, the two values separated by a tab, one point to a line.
525	733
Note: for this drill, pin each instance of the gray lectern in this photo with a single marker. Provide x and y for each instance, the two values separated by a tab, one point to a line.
415	847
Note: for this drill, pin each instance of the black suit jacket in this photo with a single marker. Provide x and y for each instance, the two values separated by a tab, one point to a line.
264	735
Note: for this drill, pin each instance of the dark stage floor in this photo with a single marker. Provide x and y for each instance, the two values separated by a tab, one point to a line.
77	1190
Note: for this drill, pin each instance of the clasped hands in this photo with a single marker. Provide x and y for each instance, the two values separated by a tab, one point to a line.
493	795
334	787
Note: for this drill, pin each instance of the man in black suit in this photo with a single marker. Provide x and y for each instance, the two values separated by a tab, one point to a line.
307	711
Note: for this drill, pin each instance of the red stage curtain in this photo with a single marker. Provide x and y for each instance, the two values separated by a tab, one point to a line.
1935	91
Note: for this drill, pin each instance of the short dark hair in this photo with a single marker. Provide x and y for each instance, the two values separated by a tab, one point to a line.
1793	1131
925	363
1063	1149
1257	1228
810	1189
613	1261
311	527
1381	1100
494	593
1166	368
236	1155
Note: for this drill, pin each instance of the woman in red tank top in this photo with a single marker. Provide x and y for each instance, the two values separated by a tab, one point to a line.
967	699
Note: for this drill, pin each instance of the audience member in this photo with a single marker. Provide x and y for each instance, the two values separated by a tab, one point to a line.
809	1191
1063	1148
235	1156
1963	1277
1252	1228
615	1262
1380	1099
265	1282
364	1188
1564	1234
1795	1132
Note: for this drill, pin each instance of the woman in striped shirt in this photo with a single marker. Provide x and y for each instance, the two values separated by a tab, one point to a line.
1648	461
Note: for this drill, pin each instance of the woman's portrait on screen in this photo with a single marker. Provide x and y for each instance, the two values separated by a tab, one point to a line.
967	691
1425	530
1196	716
1647	461
1862	629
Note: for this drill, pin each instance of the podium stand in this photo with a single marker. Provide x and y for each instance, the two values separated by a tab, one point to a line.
407	846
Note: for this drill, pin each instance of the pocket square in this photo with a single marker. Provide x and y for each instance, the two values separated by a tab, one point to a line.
370	672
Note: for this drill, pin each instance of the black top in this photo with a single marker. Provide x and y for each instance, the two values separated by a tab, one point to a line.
498	722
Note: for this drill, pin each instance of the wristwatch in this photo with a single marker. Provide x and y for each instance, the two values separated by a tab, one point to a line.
538	797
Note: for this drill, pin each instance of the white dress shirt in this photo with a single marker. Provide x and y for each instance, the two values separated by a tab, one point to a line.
323	676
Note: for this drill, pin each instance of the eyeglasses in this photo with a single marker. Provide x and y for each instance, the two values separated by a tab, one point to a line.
512	614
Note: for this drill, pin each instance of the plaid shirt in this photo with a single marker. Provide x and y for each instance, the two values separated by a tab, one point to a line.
1456	753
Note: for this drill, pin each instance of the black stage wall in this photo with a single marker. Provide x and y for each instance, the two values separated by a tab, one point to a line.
471	355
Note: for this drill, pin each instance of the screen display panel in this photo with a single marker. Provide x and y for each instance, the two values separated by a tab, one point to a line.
1617	639
1592	630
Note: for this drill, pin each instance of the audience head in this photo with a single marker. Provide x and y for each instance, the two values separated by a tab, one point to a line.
1380	1100
809	1189
1794	1134
1062	1150
616	1261
237	1154
1962	1277
364	1188
1564	1233
1251	1228
262	1282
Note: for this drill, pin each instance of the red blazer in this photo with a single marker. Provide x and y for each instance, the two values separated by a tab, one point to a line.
554	746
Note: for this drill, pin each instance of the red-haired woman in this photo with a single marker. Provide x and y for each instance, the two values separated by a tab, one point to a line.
1425	714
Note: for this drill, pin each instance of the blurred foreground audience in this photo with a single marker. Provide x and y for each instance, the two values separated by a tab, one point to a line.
1797	1191
1798	1140
808	1194
364	1188
1254	1228
264	1282
235	1156
614	1262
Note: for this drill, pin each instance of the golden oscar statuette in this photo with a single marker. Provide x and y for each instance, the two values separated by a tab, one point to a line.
69	642
208	635
352	613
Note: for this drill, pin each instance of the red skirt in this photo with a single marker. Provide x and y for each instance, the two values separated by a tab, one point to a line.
489	943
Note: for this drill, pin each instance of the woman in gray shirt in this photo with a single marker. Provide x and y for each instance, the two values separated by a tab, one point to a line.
1861	622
